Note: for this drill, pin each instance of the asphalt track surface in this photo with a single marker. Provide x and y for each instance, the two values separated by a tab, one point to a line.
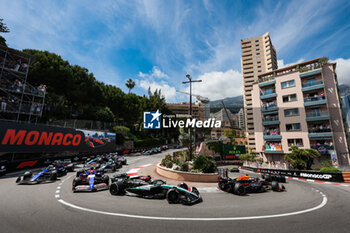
52	207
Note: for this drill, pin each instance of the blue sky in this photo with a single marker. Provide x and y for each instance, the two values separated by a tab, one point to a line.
157	43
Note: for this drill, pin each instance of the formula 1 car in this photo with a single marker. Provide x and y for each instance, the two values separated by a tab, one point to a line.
158	189
90	180
108	167
121	159
49	174
245	184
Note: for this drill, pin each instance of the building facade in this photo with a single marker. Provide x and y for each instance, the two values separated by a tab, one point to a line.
299	105
258	56
182	110
241	120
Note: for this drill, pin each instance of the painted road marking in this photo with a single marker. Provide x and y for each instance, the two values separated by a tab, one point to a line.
322	204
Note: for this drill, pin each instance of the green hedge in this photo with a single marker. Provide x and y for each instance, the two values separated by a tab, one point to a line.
329	169
149	142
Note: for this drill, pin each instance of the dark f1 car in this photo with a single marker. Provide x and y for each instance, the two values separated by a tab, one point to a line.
245	184
271	177
157	189
90	180
49	174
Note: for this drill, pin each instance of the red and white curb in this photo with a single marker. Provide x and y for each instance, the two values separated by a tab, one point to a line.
134	172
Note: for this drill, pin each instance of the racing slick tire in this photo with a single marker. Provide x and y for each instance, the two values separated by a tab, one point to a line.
53	175
275	186
124	162
239	189
263	176
282	179
172	196
106	179
268	178
117	188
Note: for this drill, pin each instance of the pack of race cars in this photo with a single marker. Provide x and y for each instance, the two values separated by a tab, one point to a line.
92	177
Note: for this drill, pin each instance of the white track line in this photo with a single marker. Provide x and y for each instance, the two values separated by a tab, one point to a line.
322	204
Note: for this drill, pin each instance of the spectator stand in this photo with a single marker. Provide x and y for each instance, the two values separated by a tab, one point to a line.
19	100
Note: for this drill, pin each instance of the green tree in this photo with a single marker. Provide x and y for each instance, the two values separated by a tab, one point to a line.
301	158
231	134
3	29
130	84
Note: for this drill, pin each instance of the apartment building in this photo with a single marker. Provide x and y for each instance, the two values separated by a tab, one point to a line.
258	56
241	120
182	110
299	105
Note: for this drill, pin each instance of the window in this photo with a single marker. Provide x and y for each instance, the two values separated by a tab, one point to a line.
293	127
266	37
295	142
259	66
258	58
291	112
259	71
289	98
258	62
257	49
257	41
257	53
287	84
257	45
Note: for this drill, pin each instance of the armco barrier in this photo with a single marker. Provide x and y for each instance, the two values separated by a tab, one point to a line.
325	176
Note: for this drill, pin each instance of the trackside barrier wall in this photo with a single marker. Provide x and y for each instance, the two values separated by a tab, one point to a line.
328	176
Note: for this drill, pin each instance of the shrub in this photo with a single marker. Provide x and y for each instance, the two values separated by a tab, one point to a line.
329	169
184	167
205	163
166	159
169	164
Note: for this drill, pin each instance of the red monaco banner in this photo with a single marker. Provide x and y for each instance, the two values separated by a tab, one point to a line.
17	137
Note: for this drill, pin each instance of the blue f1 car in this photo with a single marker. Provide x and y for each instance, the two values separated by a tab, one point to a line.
49	174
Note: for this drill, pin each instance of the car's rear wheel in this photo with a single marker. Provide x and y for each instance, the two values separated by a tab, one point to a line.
106	179
275	186
117	188
239	189
172	196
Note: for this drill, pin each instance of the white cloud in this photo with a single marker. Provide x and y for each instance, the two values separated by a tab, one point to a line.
281	64
156	73
343	70
218	85
168	91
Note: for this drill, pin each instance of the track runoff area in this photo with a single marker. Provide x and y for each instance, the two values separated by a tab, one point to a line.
53	207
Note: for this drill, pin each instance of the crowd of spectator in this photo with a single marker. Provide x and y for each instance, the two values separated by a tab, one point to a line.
17	85
12	104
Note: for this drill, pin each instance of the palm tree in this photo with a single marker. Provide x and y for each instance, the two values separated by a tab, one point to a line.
130	84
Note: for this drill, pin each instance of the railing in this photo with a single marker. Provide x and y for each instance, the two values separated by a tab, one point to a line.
326	130
268	92
272	133
268	106
315	98
270	147
270	119
314	83
316	114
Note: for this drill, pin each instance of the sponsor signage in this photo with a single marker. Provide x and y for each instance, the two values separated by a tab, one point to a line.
232	151
154	120
336	177
17	137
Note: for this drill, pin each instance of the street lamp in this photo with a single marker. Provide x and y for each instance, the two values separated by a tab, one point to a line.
190	81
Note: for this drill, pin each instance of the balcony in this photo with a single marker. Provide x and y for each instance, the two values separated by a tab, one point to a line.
320	133
313	86
268	83
317	116
322	148
314	101
310	72
271	121
269	107
268	94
